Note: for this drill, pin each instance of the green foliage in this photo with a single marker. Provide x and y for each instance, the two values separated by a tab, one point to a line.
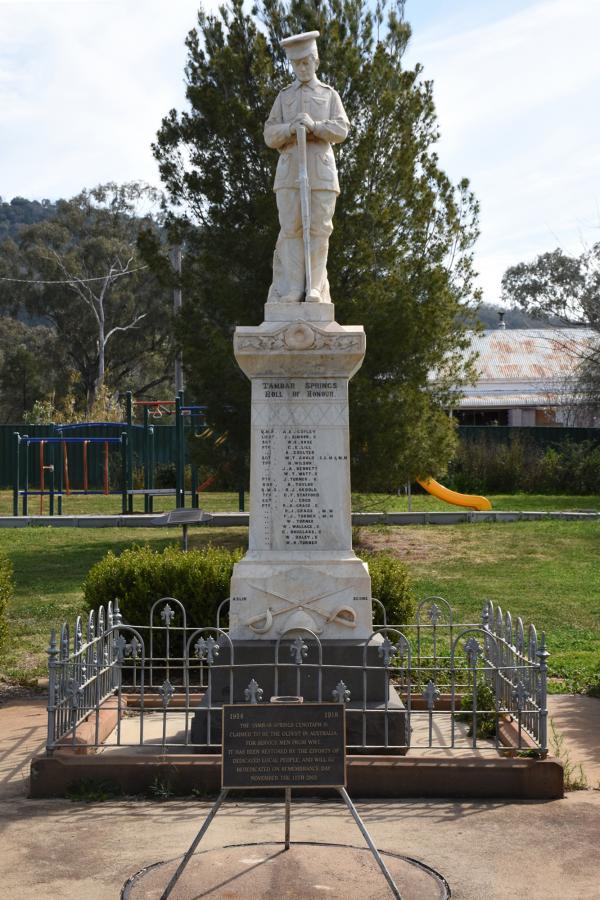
114	328
520	465
7	589
391	584
140	576
160	789
486	711
106	407
21	212
31	361
556	284
89	791
400	255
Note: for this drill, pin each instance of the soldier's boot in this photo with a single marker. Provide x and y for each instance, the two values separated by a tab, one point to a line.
318	266
293	266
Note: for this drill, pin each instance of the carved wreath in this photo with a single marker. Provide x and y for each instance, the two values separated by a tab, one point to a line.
299	336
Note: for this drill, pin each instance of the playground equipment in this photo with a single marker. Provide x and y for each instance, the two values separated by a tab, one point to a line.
50	473
187	416
471	501
53	458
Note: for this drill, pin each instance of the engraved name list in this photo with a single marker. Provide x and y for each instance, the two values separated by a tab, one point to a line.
300	462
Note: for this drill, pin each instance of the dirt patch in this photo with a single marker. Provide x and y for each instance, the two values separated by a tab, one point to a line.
405	543
12	690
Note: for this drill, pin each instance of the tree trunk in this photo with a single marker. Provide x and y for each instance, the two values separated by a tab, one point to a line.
101	357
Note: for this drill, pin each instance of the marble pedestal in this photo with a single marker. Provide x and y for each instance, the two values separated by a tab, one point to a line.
300	571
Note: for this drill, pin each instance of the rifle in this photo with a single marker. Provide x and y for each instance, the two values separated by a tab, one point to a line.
304	185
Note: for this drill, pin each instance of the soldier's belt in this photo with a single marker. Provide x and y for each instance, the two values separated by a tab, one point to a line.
310	138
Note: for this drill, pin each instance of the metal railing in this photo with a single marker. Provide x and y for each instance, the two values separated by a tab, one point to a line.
435	686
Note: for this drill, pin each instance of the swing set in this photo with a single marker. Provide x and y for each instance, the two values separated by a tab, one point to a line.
52	460
185	416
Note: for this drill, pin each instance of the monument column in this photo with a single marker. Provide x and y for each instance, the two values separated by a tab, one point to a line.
300	570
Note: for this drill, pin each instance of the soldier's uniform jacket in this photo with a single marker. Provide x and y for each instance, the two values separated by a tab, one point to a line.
323	104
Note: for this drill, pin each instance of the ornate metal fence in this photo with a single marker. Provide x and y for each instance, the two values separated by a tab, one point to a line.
435	686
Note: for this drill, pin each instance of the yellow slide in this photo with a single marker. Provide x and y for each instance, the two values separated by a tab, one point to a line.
442	493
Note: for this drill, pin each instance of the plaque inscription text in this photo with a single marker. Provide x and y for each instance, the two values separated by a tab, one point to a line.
279	745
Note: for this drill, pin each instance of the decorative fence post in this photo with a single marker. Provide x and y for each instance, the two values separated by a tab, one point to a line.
542	655
52	666
113	628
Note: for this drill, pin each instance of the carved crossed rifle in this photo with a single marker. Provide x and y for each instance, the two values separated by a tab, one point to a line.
344	615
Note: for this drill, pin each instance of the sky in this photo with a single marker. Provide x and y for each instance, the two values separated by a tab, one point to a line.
84	85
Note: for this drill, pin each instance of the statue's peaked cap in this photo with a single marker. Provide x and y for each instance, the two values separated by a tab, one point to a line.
300	45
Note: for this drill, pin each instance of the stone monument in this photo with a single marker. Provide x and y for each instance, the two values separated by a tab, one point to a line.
300	570
300	573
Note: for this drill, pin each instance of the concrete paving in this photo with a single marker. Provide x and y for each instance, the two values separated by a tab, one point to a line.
486	850
577	719
176	726
22	736
269	872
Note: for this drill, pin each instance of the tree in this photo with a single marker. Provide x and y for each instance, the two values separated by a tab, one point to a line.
30	367
400	255
556	284
80	272
566	288
21	212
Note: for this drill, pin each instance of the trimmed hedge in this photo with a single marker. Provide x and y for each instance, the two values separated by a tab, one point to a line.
140	576
200	580
391	583
7	587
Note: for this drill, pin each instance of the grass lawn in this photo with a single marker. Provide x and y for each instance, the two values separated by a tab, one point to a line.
214	501
506	502
546	572
50	565
110	505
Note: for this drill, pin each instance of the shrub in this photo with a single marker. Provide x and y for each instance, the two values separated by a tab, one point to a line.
6	593
520	464
164	475
140	576
200	580
391	583
486	711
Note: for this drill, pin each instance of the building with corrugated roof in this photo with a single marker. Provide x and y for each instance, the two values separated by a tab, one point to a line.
526	377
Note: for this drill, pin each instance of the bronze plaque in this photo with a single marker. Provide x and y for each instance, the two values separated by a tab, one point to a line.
278	745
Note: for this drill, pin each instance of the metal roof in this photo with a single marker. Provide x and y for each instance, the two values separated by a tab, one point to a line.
501	400
529	354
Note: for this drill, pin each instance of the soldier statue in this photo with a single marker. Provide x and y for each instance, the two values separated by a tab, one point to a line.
306	119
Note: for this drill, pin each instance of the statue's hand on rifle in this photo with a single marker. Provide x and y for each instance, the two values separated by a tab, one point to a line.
304	120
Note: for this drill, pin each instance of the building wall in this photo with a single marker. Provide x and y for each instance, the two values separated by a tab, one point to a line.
521	418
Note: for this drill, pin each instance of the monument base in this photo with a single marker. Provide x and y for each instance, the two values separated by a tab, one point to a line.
375	714
274	592
300	311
